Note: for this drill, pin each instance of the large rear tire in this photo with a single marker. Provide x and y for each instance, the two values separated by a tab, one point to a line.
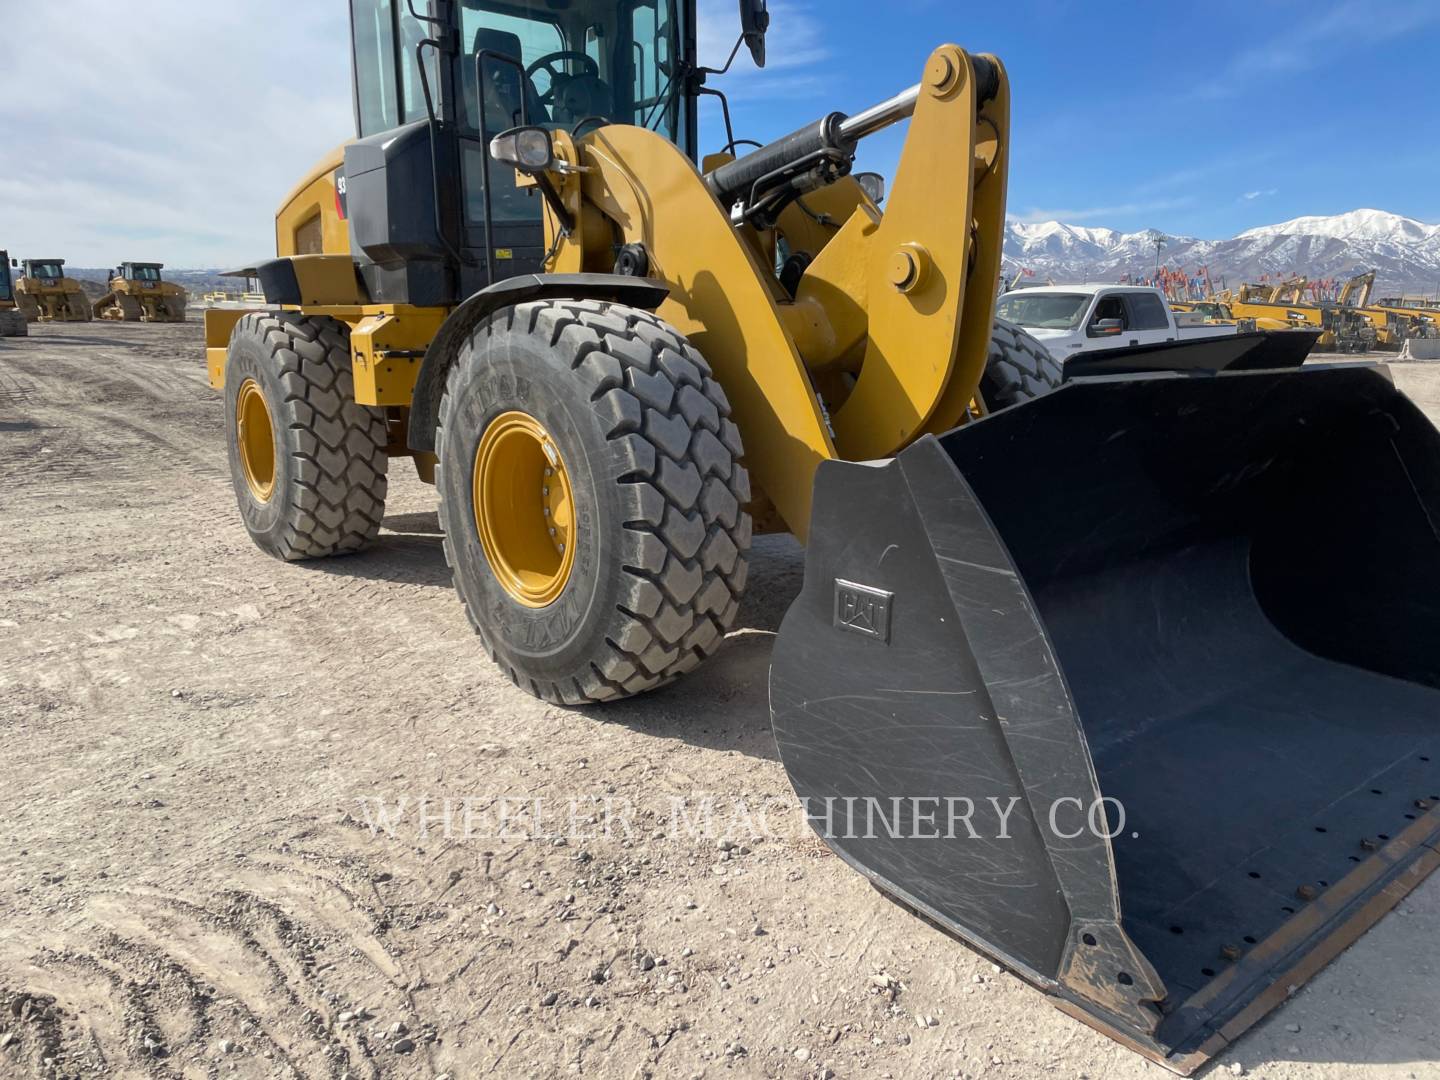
592	499
308	464
1019	368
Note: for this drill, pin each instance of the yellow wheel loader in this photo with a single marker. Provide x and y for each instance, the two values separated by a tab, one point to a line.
45	294
139	294
1218	310
12	320
1130	685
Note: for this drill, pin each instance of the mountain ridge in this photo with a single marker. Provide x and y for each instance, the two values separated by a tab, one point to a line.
1403	252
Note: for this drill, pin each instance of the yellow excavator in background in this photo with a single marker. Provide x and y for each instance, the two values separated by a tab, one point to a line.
139	294
12	320
1394	324
45	294
1181	628
1282	305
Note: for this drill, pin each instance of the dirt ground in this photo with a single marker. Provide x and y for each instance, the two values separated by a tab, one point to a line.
194	737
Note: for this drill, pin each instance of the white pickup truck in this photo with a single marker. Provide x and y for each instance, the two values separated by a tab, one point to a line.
1072	319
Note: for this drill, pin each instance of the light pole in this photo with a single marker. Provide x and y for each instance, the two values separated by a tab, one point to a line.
1159	239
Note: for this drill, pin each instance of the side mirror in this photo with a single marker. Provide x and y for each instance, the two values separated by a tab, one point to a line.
1105	328
529	150
754	21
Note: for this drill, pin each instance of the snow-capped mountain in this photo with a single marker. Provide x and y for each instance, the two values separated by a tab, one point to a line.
1405	253
1367	226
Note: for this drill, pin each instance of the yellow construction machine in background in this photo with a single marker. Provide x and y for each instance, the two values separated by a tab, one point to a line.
139	294
45	294
1280	306
1394	324
12	320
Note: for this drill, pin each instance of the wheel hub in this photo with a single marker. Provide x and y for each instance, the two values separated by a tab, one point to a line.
255	437
524	509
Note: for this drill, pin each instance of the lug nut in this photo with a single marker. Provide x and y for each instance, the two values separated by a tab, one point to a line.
1307	892
1231	952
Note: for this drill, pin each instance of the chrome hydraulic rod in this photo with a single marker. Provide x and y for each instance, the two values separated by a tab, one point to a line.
878	117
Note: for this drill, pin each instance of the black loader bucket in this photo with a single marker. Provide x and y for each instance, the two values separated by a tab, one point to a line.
1134	688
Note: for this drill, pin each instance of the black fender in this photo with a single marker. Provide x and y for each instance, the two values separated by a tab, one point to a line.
644	293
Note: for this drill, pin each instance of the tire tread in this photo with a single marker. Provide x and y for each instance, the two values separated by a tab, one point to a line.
682	486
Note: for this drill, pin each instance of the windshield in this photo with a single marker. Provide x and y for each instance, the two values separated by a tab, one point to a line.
45	270
1043	311
145	273
593	60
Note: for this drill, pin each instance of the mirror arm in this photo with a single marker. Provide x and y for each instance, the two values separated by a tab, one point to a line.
556	204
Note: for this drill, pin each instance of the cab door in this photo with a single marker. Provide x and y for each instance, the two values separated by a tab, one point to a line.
497	91
1147	322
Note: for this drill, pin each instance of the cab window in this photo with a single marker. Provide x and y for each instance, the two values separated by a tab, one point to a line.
510	97
376	89
1147	312
1111	307
412	83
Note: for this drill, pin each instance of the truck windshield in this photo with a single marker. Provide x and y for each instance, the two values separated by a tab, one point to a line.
45	270
1043	311
590	60
145	273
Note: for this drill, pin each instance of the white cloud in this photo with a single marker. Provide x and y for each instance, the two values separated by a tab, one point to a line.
174	135
1093	213
1313	38
171	135
795	50
1251	196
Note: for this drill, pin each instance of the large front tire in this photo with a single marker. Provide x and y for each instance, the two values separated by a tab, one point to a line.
592	499
13	324
308	464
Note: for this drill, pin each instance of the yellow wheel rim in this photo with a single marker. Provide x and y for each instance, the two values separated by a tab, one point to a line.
255	436
524	509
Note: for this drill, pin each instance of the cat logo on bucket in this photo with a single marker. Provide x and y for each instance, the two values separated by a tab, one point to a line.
863	610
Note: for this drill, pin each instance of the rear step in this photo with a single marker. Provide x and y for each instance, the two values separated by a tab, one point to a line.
1215	602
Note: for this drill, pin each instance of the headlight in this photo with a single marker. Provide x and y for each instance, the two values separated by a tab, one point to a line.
527	149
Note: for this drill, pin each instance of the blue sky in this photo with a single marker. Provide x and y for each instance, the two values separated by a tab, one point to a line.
1197	119
1194	119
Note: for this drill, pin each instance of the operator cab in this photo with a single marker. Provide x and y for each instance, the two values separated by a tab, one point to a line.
146	273
48	270
432	216
7	293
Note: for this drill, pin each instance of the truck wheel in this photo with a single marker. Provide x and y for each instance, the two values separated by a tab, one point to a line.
592	498
308	464
1019	368
13	324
